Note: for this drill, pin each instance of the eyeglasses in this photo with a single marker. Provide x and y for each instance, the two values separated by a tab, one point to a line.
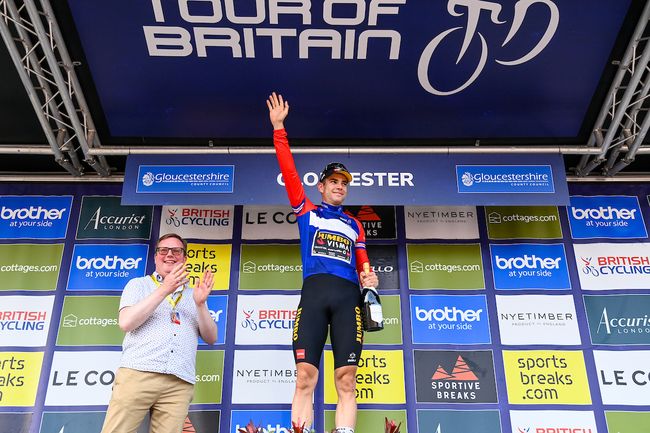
163	251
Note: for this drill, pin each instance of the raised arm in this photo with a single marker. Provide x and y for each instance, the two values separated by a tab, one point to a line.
278	111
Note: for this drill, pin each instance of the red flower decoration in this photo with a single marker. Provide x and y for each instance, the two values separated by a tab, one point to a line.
391	427
250	428
297	428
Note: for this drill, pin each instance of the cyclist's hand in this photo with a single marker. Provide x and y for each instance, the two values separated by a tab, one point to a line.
368	279
278	110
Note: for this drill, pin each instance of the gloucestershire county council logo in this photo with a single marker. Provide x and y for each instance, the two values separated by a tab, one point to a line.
147	179
467	179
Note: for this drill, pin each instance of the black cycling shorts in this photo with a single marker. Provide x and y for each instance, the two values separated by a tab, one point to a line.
328	300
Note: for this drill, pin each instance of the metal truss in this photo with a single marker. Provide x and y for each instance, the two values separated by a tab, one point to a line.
623	121
32	35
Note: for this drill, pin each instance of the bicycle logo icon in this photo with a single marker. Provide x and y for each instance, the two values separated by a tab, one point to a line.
473	12
172	219
588	268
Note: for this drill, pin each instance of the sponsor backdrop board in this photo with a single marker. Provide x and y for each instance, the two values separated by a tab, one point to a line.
563	343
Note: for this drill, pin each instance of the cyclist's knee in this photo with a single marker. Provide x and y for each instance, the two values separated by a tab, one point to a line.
307	377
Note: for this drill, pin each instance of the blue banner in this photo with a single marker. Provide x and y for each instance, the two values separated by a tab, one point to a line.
34	216
606	216
530	266
376	179
504	179
105	266
218	307
270	421
450	319
182	179
364	69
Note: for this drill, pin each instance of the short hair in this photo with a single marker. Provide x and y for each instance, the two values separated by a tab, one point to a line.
172	235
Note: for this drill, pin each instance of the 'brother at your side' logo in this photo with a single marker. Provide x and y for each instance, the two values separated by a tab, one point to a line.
103	217
271	421
106	267
450	319
530	266
613	217
34	216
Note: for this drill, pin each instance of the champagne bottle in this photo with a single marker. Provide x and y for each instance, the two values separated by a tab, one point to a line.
373	318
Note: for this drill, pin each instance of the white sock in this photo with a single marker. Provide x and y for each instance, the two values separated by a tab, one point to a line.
344	430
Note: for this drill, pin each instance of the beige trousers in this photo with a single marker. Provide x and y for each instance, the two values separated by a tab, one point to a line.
137	392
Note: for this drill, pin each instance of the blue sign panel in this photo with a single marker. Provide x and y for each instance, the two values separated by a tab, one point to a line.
105	266
376	179
73	422
182	179
271	421
218	307
606	216
450	319
459	421
530	266
34	216
204	68
504	179
618	319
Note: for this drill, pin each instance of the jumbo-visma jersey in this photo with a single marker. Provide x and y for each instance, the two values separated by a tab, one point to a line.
331	242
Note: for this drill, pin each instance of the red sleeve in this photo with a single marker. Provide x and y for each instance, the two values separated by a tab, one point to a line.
296	192
360	248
